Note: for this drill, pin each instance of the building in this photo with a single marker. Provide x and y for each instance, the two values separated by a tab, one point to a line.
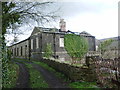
33	47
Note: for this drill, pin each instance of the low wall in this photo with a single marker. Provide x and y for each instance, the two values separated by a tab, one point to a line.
74	73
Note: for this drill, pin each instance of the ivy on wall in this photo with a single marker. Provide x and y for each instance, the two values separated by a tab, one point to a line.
76	46
48	51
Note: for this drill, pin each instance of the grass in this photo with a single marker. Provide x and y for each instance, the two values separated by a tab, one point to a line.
58	74
36	79
12	76
81	85
44	66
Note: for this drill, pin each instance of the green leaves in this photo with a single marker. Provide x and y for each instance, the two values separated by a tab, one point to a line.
75	45
48	51
103	46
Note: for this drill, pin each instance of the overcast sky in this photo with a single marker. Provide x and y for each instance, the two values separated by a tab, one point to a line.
97	17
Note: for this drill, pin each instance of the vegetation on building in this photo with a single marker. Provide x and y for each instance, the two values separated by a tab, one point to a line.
76	46
48	50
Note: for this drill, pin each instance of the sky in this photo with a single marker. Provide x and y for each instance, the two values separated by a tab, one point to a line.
97	17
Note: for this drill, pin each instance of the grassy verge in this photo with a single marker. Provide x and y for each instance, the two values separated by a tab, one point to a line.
36	79
12	76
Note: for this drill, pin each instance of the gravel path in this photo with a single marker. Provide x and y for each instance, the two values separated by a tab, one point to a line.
23	78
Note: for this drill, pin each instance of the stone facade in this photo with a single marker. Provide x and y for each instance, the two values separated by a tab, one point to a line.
47	37
21	49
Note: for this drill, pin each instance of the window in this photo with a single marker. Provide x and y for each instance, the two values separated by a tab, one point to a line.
31	43
17	51
37	42
21	50
61	42
25	50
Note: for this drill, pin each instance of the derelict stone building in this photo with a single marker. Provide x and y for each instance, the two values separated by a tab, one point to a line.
33	47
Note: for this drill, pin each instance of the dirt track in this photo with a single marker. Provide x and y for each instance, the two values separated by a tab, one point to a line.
49	77
23	78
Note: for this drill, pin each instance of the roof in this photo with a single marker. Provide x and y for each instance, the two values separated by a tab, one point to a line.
19	42
41	29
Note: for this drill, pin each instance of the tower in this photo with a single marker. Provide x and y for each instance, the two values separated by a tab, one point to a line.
62	25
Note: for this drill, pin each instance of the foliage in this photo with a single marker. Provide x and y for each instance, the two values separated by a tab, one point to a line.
7	19
48	50
36	79
12	75
76	46
5	64
9	54
103	46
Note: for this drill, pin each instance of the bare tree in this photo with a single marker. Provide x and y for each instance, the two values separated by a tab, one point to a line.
28	13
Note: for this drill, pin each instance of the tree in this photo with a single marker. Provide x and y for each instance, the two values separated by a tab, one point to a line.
76	46
8	16
104	45
16	14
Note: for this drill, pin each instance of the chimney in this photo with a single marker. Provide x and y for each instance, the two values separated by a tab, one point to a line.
62	25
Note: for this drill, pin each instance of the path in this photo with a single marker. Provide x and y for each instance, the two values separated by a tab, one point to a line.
23	78
50	78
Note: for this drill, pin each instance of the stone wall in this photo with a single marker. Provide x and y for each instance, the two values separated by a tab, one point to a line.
74	73
107	72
